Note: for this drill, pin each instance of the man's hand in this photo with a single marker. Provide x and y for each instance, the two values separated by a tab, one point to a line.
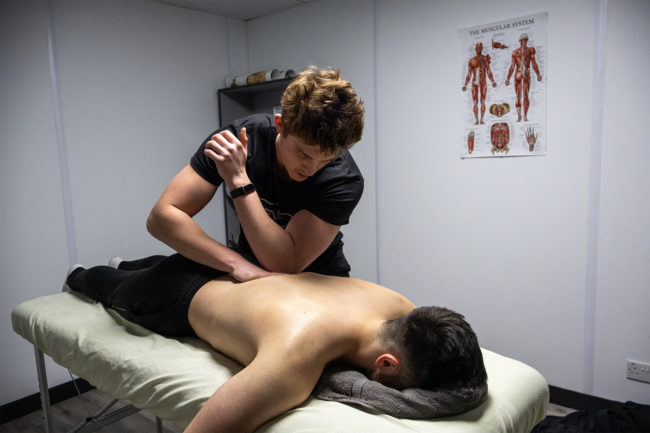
229	155
247	271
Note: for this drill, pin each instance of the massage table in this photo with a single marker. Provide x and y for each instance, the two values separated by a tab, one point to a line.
172	378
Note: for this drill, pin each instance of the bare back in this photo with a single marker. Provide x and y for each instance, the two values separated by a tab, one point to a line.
285	329
289	311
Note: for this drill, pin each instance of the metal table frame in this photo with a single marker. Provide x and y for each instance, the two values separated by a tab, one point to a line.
93	422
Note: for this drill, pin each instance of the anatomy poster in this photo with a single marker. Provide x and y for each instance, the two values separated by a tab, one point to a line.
503	88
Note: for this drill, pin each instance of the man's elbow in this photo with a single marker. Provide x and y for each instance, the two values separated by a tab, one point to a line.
155	222
285	267
286	260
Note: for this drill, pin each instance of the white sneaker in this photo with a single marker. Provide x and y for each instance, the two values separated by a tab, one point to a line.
65	287
115	262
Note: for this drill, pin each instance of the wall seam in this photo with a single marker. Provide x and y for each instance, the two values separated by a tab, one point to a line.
593	205
228	49
62	150
375	47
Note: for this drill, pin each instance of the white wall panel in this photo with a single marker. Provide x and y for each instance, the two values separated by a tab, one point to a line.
501	239
137	84
623	291
33	256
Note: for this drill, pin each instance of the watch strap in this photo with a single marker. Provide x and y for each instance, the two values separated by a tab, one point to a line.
242	190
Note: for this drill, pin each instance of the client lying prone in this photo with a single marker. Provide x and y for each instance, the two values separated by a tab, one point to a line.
286	329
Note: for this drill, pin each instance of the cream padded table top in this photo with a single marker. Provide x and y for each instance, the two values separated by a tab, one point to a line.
172	378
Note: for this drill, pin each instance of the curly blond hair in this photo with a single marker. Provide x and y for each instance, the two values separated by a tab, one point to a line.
322	109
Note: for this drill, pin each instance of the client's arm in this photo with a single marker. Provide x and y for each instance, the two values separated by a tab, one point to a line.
263	390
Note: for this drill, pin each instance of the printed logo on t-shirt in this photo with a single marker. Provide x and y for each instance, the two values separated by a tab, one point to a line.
279	216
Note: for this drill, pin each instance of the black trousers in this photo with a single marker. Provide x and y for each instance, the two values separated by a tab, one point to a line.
154	292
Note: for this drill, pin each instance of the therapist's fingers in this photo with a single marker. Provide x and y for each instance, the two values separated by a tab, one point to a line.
244	138
228	141
213	146
226	137
215	155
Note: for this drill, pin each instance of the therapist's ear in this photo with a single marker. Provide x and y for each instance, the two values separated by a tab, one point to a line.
278	123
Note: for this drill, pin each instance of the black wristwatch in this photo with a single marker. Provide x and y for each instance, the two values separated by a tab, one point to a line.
242	190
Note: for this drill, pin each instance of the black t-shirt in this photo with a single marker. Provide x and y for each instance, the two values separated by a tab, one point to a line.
331	193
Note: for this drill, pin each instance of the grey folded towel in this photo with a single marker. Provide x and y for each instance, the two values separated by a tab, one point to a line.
350	386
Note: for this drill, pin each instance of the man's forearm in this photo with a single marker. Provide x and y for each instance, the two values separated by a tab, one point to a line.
273	247
179	231
258	393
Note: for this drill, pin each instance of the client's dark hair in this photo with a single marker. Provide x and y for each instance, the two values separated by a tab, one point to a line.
439	347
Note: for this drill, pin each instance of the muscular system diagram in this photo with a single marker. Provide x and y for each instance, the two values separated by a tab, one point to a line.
503	93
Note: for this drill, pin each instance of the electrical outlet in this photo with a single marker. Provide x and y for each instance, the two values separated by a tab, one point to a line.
638	371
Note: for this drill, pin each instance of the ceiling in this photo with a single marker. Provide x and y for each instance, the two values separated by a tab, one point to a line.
240	9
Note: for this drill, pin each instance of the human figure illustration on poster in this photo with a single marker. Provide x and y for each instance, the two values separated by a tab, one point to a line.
477	68
522	59
508	119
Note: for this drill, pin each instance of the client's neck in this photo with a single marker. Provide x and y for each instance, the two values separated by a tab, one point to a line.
368	347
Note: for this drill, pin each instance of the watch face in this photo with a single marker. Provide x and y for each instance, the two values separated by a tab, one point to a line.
242	190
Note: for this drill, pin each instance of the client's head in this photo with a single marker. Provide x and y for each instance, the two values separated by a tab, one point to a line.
436	347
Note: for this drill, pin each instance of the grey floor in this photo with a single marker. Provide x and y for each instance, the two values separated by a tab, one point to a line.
67	414
557	410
